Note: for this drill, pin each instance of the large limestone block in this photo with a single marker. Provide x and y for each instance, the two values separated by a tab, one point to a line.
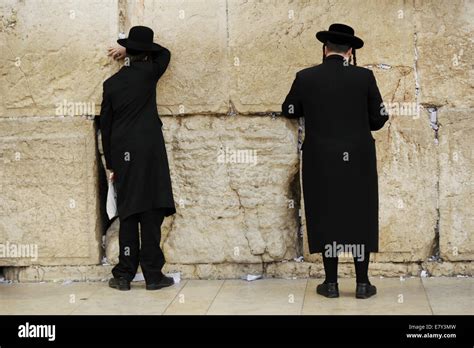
282	41
232	207
449	269
195	32
295	270
54	51
49	198
456	186
444	32
407	168
288	269
66	274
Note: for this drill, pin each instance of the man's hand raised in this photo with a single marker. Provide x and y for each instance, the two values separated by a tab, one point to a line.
116	52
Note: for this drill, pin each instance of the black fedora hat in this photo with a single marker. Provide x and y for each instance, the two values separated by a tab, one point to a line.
340	34
139	38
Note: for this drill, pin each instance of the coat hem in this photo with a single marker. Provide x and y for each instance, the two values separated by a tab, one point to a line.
168	211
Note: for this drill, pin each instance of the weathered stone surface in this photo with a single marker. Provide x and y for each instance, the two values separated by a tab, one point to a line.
49	195
227	270
54	51
407	166
444	32
34	274
282	41
456	186
316	270
291	270
195	33
450	269
228	210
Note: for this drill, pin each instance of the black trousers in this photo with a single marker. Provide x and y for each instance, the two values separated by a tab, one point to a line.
149	255
361	268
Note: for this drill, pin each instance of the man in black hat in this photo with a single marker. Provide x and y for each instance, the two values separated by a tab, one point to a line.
341	105
135	153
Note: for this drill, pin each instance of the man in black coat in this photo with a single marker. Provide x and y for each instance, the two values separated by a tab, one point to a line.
341	105
135	152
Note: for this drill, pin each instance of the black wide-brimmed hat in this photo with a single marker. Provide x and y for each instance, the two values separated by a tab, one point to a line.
340	34
139	38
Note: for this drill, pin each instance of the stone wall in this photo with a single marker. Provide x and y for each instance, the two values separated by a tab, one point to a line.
232	64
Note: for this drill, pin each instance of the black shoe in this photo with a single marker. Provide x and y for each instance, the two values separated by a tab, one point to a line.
121	284
365	290
330	290
163	283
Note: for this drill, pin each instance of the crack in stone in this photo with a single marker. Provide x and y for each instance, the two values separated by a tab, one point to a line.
433	112
415	67
227	23
232	110
241	207
435	126
122	15
26	78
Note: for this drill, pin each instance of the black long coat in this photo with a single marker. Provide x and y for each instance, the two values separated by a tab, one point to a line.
132	138
341	105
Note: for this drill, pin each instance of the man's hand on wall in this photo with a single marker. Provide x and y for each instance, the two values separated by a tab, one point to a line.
116	52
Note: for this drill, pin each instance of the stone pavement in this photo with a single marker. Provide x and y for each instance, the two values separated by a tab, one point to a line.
264	296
